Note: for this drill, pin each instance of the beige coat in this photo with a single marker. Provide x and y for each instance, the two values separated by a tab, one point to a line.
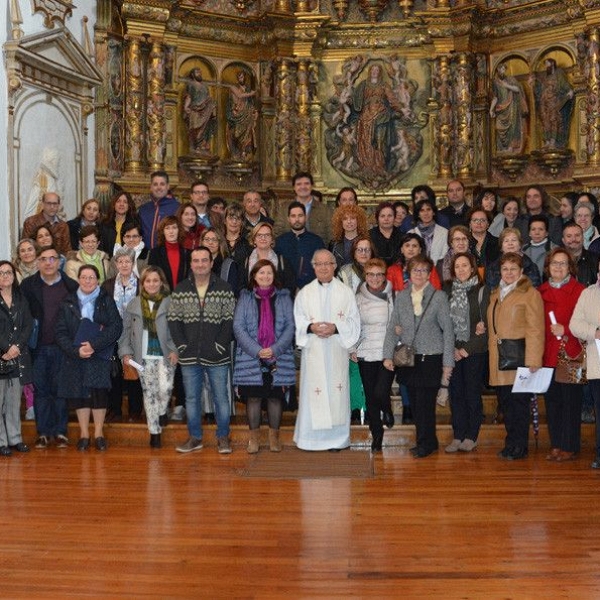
585	319
75	261
519	315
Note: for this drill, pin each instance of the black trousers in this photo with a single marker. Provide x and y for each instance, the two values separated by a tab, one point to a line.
516	416
377	381
134	396
563	413
423	382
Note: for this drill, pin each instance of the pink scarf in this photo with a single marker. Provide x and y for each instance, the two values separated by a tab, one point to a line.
266	326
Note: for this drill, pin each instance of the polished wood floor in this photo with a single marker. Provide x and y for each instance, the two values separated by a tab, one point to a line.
141	523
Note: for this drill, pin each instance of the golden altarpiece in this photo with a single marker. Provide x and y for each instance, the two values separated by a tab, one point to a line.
380	95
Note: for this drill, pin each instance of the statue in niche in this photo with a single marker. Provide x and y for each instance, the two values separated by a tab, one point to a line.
242	116
509	108
199	113
46	179
373	131
554	101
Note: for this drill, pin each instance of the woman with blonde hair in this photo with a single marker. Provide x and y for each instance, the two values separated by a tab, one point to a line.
25	261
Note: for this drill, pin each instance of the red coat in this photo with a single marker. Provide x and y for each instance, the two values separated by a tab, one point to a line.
562	301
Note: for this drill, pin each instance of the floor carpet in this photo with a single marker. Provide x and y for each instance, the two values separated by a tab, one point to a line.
292	463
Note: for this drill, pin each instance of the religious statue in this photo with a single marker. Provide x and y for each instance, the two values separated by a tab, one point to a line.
554	101
509	108
199	113
373	130
241	119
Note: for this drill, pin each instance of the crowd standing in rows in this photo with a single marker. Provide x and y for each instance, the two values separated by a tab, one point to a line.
209	300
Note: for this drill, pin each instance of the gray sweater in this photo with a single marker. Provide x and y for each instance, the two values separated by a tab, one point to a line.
435	335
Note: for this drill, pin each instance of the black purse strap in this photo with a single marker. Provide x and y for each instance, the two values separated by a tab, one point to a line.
494	318
422	315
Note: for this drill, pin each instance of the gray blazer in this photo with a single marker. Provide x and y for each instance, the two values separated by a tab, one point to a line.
436	333
130	342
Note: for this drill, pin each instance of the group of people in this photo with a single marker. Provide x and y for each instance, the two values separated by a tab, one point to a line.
211	301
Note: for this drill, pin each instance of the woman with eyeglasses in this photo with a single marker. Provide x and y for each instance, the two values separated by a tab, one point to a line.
131	240
484	246
89	240
15	328
375	301
263	241
238	247
459	240
87	328
223	265
421	319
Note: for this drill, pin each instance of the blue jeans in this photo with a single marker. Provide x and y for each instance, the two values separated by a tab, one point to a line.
51	413
193	381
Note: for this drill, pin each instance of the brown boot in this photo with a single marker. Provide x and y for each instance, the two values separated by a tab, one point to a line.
274	443
253	442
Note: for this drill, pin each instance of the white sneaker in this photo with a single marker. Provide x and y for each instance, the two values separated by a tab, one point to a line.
467	445
453	446
178	413
30	414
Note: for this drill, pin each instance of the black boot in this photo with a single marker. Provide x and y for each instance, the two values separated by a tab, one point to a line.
163	420
407	416
155	441
377	442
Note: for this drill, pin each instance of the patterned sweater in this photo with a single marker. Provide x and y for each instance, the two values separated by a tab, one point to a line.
202	332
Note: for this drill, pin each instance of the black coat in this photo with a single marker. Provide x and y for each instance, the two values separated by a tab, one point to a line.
157	257
79	375
17	332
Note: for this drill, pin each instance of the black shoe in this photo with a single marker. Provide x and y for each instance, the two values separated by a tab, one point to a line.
414	450
21	447
388	419
5	451
424	452
407	416
376	444
83	444
517	453
355	417
101	444
163	420
503	454
155	441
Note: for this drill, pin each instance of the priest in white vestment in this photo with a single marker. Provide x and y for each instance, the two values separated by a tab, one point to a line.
327	326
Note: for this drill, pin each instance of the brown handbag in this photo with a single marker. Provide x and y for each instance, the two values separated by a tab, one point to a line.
571	370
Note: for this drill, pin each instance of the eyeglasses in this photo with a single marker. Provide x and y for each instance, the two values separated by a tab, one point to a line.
51	203
200	192
363	250
263	236
234	218
379	275
6	273
460	239
88	278
559	263
210	240
420	271
131	237
478	220
323	264
48	259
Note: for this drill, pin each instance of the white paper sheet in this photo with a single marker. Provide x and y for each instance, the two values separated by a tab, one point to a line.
527	382
136	365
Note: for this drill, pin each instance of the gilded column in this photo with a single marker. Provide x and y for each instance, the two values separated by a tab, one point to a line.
592	109
284	124
316	120
303	127
134	107
463	114
442	95
267	153
155	112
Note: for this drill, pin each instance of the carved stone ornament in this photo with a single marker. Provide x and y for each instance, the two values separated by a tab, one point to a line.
53	10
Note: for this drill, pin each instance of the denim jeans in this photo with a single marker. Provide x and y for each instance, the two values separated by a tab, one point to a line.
193	382
51	413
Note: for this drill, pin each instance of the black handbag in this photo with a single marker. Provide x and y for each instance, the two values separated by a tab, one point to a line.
404	354
9	366
511	353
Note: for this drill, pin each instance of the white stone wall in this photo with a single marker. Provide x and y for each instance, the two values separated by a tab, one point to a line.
48	125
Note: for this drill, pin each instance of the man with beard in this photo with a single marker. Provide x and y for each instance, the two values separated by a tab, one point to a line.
299	245
199	111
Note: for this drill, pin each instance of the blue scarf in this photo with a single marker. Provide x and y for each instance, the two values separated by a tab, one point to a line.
87	303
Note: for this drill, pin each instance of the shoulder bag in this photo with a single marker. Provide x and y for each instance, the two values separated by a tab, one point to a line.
511	353
571	370
404	354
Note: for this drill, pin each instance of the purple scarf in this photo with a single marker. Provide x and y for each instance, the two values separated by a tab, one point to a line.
266	326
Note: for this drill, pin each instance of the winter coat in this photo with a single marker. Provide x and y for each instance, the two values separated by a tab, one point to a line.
247	370
520	315
562	301
130	342
78	375
75	261
20	330
585	320
375	313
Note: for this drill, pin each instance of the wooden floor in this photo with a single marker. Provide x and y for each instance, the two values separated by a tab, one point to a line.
141	523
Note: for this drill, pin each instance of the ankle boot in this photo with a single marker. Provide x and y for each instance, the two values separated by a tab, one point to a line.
253	442
155	441
274	443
